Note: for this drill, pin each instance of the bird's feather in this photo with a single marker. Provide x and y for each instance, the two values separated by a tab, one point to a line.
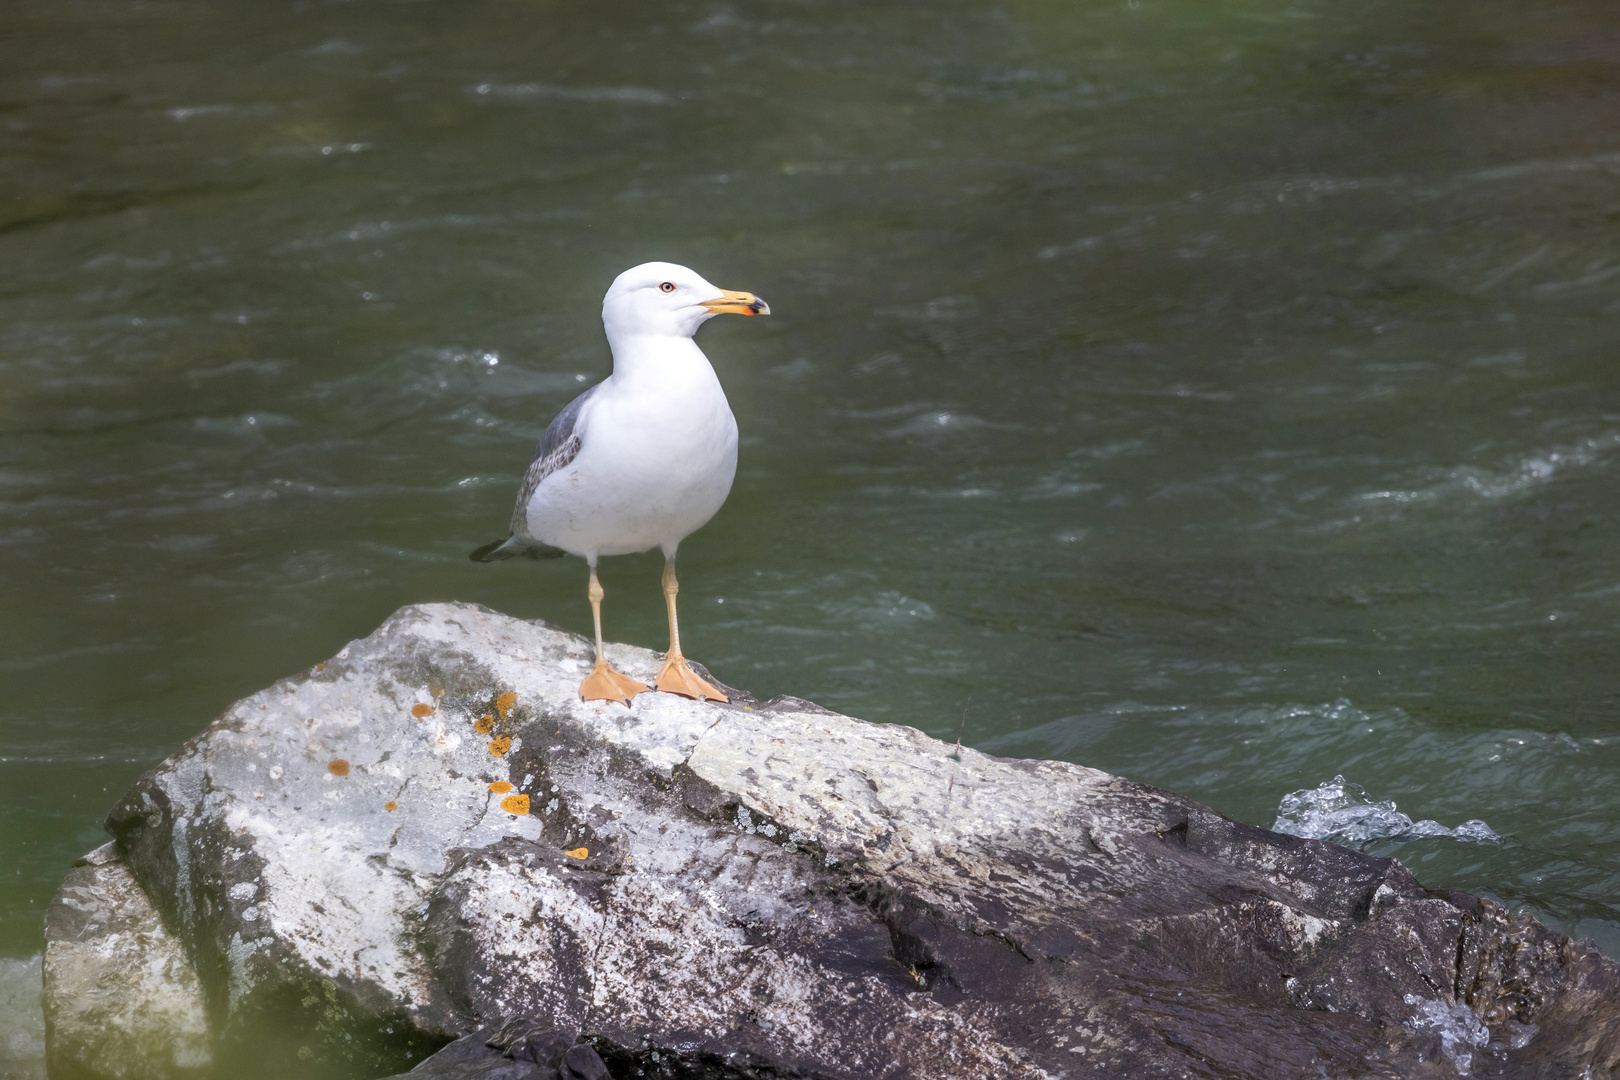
557	448
513	547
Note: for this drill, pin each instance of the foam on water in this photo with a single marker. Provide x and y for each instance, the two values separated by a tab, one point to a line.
1514	477
22	1019
1344	813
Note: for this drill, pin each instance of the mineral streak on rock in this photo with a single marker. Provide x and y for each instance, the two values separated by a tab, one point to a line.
775	890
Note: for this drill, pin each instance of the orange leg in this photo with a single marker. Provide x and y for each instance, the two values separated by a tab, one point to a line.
676	677
603	683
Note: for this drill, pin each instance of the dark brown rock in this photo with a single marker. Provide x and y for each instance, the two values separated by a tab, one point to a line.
584	1063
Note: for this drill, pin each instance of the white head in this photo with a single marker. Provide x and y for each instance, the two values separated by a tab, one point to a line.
662	299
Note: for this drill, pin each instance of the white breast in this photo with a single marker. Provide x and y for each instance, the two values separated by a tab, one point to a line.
658	452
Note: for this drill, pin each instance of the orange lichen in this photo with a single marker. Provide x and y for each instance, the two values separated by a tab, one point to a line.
421	712
436	691
500	745
390	806
485	724
338	767
504	703
516	804
500	787
578	853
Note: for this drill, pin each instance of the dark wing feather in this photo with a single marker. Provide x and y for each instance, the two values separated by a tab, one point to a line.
557	447
561	428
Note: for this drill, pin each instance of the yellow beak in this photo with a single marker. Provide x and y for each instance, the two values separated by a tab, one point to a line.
737	303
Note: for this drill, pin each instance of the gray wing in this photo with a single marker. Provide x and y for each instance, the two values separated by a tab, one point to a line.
557	447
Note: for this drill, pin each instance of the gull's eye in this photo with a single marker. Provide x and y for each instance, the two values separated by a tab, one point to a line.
668	286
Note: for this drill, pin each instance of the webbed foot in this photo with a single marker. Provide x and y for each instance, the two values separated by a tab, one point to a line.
605	684
677	677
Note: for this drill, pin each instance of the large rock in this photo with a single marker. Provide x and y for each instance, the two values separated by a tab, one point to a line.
775	890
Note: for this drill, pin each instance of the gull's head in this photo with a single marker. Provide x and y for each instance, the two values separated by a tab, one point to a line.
665	300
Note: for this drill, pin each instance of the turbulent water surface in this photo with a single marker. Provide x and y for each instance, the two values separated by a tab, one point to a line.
1223	395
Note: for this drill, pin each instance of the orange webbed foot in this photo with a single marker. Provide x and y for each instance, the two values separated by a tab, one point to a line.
605	684
676	677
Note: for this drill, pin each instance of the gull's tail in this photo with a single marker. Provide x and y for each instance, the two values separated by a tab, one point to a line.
512	547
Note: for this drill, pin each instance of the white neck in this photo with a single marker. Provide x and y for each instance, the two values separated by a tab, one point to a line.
660	358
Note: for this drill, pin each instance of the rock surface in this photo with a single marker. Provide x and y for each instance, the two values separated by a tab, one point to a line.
22	1021
121	999
770	889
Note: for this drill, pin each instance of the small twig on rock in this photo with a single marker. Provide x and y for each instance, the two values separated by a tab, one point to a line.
956	754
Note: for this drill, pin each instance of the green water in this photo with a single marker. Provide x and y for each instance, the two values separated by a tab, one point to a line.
1224	395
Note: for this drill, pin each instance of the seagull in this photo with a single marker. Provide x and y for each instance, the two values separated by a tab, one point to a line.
643	459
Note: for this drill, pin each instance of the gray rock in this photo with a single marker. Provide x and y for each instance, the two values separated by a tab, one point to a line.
22	1020
473	1058
121	999
529	1040
584	1063
775	890
522	1049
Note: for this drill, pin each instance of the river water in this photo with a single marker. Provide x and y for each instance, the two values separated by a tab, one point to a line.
1222	395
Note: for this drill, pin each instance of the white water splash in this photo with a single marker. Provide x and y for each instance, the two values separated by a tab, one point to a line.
1458	1027
1513	477
623	95
1344	813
